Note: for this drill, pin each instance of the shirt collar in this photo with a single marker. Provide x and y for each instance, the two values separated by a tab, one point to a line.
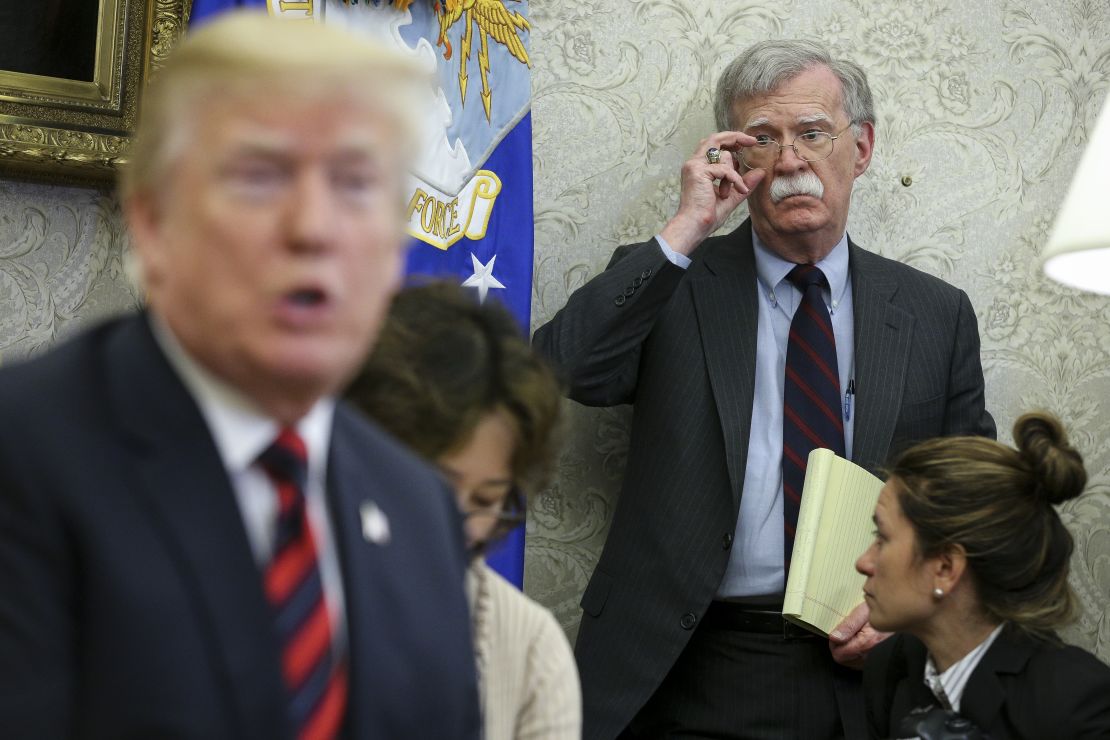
239	428
773	269
949	686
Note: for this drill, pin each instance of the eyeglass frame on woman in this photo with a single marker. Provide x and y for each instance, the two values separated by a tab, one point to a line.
509	513
792	145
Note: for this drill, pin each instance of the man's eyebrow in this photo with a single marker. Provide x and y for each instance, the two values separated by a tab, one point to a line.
256	150
813	118
260	143
761	121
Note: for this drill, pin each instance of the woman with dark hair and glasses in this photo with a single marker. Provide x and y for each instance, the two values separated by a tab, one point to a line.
457	382
970	567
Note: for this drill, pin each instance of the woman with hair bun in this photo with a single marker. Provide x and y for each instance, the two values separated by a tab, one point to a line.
970	566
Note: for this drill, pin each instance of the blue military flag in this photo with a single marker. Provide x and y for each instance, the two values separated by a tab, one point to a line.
469	200
469	204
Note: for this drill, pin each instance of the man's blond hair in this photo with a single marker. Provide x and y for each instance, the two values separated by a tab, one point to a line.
250	53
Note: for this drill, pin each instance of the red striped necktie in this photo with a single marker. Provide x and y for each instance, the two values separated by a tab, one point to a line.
315	679
811	394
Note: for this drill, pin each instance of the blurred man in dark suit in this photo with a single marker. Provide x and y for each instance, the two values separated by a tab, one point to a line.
196	539
742	353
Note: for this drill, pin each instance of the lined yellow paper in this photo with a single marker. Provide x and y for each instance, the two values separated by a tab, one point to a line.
834	528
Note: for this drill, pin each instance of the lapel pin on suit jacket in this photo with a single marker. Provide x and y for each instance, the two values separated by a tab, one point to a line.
375	524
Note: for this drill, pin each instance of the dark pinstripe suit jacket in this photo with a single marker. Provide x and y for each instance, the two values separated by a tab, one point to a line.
680	346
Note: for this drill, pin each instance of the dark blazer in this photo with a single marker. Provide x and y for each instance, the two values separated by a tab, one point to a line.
130	603
1022	688
680	345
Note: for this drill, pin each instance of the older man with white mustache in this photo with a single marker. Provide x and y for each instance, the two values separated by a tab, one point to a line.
742	353
803	183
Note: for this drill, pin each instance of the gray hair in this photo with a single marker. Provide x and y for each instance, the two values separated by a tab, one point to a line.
765	66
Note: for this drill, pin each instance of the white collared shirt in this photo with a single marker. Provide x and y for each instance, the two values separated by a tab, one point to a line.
241	433
948	687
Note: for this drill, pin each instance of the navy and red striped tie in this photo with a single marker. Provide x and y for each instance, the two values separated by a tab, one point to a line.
316	681
811	394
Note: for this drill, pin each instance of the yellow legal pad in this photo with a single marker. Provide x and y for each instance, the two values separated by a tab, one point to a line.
834	528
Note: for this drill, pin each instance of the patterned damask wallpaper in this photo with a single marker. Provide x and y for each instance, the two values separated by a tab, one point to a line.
60	264
984	109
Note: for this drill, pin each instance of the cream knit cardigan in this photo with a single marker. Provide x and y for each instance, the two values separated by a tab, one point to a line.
526	671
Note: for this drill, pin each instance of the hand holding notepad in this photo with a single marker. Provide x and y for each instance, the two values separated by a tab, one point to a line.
834	527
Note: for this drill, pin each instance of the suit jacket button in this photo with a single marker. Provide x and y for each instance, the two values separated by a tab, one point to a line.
646	274
726	541
637	282
688	621
619	300
629	291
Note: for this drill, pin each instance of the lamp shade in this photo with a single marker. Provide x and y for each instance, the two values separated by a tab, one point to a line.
1078	250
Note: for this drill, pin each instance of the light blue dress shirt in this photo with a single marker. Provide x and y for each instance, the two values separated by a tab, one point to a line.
755	566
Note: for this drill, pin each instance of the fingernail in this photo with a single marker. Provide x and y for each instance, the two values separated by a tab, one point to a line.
836	636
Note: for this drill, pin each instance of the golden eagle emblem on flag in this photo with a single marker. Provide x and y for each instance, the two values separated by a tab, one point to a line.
492	19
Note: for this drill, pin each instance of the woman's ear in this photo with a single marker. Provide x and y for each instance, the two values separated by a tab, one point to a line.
949	569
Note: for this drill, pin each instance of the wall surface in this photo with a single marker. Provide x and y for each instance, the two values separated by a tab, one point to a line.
984	108
60	264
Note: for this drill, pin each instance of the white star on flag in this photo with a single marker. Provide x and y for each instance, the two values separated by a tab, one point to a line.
483	278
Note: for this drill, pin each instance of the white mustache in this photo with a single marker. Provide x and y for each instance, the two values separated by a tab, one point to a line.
803	183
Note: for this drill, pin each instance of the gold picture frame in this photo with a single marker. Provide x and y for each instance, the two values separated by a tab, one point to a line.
70	130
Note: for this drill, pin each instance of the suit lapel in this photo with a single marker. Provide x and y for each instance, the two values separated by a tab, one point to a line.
910	692
984	695
346	478
884	335
181	477
725	300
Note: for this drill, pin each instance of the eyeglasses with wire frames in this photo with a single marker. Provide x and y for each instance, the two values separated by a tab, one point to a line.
509	514
811	146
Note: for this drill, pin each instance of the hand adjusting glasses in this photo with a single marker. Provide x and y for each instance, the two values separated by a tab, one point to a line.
812	146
